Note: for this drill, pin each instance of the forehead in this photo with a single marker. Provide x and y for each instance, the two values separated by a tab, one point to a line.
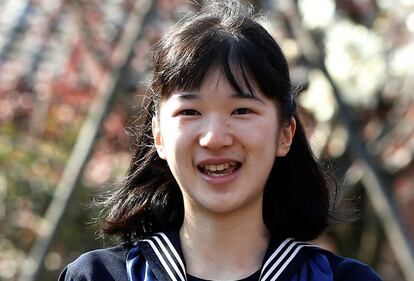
216	82
216	79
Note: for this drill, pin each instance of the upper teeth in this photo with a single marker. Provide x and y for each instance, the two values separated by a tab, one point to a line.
219	167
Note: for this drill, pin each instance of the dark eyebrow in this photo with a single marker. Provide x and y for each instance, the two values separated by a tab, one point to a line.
246	96
187	95
239	95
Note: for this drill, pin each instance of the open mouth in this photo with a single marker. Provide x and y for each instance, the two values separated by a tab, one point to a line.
219	170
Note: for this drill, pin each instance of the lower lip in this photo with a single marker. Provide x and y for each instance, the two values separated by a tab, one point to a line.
217	180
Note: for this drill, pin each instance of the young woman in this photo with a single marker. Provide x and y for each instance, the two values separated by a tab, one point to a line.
223	185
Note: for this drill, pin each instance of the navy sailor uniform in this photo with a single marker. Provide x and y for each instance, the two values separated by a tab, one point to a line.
159	258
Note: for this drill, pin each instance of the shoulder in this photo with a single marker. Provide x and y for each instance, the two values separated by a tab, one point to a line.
345	269
102	264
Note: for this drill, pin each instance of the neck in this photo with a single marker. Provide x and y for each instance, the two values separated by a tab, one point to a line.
238	240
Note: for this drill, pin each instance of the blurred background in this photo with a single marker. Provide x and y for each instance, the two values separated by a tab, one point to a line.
72	76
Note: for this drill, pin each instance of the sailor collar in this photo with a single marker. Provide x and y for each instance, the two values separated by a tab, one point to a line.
162	252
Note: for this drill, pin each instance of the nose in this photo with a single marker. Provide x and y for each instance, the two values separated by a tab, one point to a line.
216	134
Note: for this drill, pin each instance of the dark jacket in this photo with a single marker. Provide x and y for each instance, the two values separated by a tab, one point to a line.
159	257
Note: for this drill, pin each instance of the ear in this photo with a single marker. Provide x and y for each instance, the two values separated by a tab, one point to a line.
286	134
156	133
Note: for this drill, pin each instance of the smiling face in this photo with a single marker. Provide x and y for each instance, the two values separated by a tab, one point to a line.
220	145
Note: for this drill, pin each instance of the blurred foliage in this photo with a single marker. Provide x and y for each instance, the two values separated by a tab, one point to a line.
54	55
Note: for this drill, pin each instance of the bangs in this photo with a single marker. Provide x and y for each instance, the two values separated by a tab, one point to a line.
189	66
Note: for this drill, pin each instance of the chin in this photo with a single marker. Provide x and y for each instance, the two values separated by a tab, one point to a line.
229	207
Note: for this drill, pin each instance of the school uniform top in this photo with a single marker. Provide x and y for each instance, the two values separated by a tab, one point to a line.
159	258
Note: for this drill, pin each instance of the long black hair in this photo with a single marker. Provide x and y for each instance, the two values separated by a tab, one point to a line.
297	196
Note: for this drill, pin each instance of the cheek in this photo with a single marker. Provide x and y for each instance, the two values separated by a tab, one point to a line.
261	135
176	140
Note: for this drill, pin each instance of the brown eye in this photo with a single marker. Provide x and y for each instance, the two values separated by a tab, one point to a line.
241	111
189	112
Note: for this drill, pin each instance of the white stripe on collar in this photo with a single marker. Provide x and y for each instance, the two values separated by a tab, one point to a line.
161	259
173	250
289	260
167	250
270	259
286	257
